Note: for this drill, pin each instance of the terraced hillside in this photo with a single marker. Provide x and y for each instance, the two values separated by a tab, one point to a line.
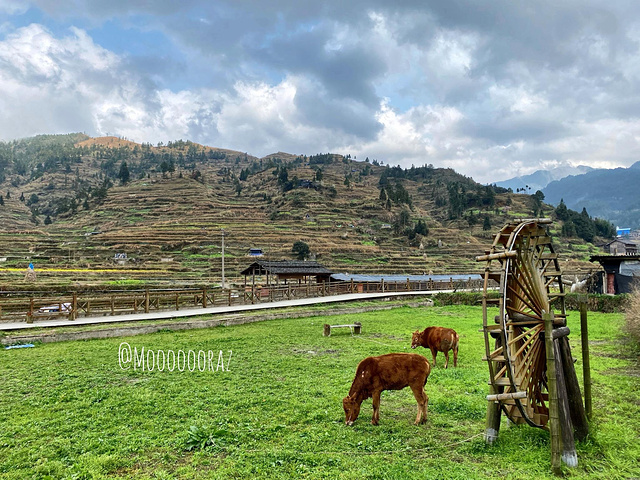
71	218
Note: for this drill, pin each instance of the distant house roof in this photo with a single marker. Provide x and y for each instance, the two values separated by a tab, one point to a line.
286	268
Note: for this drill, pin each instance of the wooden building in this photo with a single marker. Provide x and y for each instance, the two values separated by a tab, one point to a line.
286	271
621	273
620	247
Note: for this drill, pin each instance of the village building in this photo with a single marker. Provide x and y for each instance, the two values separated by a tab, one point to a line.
620	247
285	271
621	273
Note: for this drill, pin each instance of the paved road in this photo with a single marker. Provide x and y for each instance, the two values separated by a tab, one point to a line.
163	315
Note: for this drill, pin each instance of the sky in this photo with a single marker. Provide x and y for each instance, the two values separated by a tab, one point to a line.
492	89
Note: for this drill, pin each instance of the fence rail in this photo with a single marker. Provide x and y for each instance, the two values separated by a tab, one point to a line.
74	305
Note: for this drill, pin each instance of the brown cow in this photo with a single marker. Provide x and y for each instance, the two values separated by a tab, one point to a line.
437	339
392	371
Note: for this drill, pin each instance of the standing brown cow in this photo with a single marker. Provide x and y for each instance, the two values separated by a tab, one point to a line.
393	371
437	339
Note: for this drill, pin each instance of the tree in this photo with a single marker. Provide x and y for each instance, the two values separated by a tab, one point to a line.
123	175
1	200
47	220
562	212
486	225
301	249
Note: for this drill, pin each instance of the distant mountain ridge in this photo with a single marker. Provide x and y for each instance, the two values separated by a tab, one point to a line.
611	194
541	178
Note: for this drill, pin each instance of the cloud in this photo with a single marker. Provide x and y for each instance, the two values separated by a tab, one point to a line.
490	89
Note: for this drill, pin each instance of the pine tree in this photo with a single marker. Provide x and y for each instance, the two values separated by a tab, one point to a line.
123	175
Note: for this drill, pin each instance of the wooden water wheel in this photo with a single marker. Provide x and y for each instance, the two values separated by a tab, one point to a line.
532	376
522	261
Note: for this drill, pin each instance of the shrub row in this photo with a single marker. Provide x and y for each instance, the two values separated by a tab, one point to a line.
595	302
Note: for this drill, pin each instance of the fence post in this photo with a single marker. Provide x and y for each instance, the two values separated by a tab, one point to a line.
586	363
74	307
204	297
30	312
352	286
146	300
229	294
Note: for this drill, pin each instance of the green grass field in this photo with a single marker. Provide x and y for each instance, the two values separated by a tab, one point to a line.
69	411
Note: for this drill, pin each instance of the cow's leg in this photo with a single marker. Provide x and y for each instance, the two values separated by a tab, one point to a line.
446	358
376	408
423	403
434	352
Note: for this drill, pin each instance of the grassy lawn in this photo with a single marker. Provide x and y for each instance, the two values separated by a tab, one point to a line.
68	410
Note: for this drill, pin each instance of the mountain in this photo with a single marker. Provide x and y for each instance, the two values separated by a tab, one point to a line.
541	178
611	194
74	202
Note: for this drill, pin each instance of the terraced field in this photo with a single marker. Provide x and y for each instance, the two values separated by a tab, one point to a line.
170	226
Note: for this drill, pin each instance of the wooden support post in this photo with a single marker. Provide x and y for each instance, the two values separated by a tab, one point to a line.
327	330
356	328
586	363
554	419
569	456
30	312
74	307
576	408
494	410
352	291
113	307
229	294
204	298
146	300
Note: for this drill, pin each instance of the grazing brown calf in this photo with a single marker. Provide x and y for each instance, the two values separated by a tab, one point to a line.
393	371
437	339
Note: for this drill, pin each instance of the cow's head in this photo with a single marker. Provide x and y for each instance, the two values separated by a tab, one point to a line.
416	339
351	410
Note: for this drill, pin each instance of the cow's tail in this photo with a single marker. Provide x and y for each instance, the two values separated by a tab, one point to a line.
456	339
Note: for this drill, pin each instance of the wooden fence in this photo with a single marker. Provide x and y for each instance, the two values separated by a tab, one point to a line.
15	308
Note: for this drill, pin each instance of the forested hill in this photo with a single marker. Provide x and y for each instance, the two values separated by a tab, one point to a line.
607	193
159	201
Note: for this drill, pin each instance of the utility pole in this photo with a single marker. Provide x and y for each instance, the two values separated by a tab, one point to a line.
223	258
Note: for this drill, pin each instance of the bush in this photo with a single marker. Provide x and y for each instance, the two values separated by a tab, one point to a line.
595	302
632	315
